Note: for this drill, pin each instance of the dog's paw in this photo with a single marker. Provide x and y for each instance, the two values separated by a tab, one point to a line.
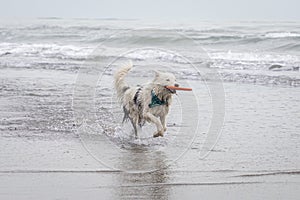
159	133
165	129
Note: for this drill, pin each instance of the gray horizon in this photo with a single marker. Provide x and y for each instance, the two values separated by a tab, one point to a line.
165	10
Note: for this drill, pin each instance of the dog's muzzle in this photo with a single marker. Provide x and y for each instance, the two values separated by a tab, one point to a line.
173	91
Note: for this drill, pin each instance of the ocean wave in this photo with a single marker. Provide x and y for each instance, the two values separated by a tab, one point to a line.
253	56
97	33
72	52
222	39
264	67
45	50
70	28
281	35
179	39
292	46
156	55
261	79
137	39
247	77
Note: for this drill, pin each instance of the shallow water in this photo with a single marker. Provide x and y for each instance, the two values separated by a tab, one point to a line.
257	152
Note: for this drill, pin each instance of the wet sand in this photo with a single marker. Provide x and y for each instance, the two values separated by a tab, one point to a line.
42	156
62	169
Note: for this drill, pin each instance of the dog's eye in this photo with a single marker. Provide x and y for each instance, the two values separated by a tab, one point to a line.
168	80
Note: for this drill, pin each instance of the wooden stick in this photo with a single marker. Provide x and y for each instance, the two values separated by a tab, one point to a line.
178	88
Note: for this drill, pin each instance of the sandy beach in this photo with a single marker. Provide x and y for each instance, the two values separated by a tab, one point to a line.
46	154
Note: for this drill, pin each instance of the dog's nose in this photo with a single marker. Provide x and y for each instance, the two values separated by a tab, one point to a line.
176	85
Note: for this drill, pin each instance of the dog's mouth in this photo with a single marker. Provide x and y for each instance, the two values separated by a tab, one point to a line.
171	90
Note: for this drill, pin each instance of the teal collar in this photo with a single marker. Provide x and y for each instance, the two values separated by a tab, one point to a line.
155	101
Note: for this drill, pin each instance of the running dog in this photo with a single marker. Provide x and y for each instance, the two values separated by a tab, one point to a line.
148	103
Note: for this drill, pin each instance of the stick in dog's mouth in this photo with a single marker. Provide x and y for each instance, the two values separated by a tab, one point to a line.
171	90
178	88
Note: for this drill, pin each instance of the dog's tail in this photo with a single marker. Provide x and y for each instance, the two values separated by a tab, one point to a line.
120	84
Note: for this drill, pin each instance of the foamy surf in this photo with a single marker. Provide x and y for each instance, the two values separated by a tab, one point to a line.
124	137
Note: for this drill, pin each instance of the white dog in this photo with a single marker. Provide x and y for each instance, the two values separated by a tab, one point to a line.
148	103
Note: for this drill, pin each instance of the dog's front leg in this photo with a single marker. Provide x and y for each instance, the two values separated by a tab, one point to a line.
156	121
163	122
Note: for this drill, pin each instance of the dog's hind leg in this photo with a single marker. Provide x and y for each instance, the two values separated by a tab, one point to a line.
134	124
156	121
126	114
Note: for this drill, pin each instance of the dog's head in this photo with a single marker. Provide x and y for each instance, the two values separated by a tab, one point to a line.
165	79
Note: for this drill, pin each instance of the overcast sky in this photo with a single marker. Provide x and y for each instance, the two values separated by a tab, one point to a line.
155	9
